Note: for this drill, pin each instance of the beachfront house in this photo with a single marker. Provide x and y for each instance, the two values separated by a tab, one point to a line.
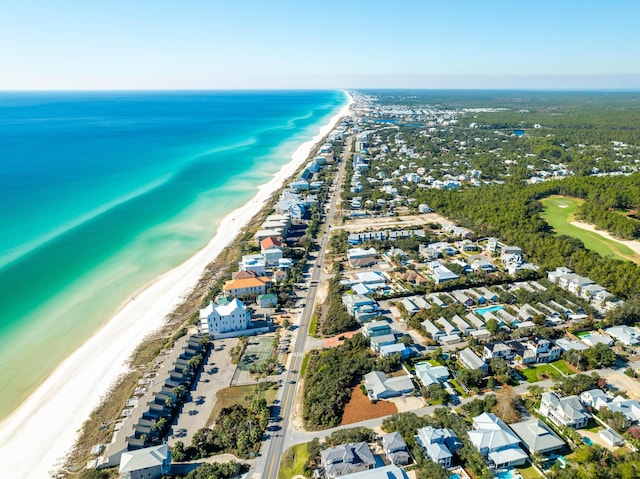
239	288
148	463
230	317
271	249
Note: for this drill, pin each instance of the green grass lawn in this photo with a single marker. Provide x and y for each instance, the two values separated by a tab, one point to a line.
540	372
294	461
458	388
563	367
303	366
559	213
528	473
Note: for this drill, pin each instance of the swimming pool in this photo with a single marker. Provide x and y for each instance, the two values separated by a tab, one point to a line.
505	474
488	309
454	476
587	441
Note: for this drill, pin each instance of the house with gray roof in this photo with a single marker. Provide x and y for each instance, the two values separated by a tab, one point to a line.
432	329
148	463
461	324
449	328
380	386
627	335
537	437
346	459
474	321
438	444
395	449
595	398
611	437
629	407
376	328
470	360
495	441
428	374
563	411
386	472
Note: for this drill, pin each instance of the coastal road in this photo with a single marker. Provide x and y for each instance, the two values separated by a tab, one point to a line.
274	446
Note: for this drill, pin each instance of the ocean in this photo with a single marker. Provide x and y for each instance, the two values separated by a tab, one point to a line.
102	192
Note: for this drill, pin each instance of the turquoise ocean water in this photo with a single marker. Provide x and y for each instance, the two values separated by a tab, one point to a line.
102	192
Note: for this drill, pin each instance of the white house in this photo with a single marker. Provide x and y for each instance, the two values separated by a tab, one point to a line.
271	249
428	374
493	438
215	319
253	262
563	411
470	360
438	444
148	463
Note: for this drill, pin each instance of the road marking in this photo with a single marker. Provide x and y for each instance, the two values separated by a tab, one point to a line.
271	465
298	355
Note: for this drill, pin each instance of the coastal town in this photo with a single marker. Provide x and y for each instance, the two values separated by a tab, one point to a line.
375	322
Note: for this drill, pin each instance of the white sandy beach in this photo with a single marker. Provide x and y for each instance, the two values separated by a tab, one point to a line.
37	435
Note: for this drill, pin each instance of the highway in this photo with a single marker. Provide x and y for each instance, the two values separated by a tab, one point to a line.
274	447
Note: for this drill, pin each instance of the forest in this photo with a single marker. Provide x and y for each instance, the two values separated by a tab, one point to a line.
512	212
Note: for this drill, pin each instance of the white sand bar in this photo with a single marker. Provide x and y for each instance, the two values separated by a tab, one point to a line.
35	437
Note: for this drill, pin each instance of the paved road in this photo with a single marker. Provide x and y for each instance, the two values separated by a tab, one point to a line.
274	446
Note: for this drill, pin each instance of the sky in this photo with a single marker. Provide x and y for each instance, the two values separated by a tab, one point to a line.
251	44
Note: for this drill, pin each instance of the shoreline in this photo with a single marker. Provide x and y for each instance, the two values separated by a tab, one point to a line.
36	436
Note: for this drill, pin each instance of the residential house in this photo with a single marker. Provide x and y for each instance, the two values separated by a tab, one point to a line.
449	328
474	321
254	263
483	265
361	258
428	374
461	324
383	340
535	350
271	249
219	319
498	350
441	274
239	288
385	472
480	335
629	407
376	328
432	329
495	441
395	449
409	305
629	336
346	459
470	360
361	307
487	293
611	437
462	298
438	444
594	398
563	411
380	386
148	463
268	300
537	437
